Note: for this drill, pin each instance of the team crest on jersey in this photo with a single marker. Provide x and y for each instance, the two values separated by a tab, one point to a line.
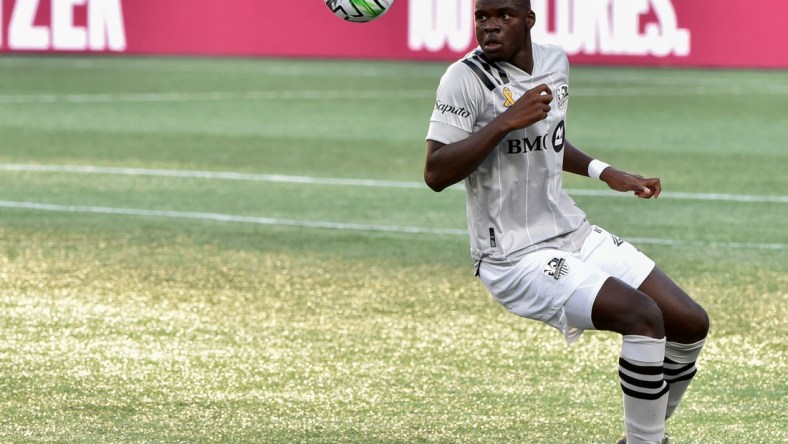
556	268
562	96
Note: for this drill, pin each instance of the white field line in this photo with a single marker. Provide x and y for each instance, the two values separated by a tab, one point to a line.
163	97
218	217
307	180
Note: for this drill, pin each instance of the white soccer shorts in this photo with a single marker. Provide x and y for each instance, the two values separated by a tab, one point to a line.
558	287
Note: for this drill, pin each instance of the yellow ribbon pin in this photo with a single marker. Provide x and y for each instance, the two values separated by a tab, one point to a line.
509	99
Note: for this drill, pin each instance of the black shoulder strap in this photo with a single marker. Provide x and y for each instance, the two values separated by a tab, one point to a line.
483	58
486	70
480	74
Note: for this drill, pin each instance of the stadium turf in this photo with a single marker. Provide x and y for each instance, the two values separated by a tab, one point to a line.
226	250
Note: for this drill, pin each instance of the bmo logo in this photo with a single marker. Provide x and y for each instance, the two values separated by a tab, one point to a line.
62	25
589	27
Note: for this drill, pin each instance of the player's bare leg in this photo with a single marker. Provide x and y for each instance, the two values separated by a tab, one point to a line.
637	317
685	324
686	327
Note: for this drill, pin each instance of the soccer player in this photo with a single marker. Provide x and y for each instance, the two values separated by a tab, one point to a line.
499	124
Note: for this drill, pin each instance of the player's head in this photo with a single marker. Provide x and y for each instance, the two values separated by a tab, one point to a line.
503	27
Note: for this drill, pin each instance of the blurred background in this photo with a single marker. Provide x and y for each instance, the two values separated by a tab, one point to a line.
701	33
214	227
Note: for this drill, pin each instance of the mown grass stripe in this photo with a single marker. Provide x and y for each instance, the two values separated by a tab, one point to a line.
214	96
309	180
218	217
345	226
88	98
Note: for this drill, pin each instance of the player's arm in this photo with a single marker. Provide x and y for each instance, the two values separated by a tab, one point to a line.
447	164
578	162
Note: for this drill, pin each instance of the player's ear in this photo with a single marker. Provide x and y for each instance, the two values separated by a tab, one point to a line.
530	19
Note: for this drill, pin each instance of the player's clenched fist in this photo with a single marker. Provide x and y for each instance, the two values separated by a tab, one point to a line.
532	107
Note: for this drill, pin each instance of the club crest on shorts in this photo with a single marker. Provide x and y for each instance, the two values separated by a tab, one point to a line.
556	268
562	96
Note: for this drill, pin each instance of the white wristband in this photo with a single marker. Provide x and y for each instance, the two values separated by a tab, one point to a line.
595	168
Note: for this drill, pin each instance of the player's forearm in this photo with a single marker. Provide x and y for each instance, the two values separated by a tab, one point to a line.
452	163
575	160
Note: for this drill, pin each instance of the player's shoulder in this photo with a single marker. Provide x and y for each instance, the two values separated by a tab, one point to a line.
466	74
548	49
476	69
551	55
462	68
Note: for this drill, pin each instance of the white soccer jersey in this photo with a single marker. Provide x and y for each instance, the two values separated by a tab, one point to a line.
515	201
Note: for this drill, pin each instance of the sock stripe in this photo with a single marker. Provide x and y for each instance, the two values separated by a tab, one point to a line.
640	382
641	369
648	396
680	370
689	375
672	371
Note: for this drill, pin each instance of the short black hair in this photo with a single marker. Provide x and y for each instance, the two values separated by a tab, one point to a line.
524	3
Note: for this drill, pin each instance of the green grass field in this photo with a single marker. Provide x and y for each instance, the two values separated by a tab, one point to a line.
222	250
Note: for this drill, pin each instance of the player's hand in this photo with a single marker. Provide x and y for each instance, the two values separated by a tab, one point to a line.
532	107
642	187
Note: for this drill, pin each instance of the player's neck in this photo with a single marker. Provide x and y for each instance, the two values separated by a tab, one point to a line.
524	62
524	59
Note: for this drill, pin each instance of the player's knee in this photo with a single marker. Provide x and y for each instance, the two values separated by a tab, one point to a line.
645	319
627	311
698	323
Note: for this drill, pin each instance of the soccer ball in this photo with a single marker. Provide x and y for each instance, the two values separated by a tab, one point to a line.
359	10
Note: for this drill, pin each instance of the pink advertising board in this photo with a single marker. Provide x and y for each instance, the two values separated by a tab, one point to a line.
703	33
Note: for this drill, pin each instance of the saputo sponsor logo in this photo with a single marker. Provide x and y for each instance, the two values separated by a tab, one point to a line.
451	109
589	27
70	25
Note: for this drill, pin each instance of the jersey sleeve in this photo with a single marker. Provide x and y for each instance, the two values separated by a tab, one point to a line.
458	105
